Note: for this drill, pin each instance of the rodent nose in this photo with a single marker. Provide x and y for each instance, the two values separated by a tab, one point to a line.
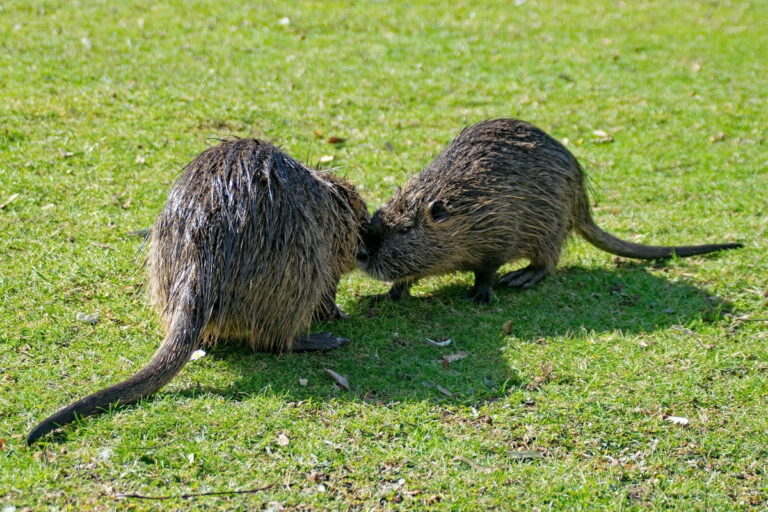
362	255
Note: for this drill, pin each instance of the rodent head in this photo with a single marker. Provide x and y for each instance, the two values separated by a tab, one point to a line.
406	238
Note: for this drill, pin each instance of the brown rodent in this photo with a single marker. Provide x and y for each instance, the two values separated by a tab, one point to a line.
501	191
250	245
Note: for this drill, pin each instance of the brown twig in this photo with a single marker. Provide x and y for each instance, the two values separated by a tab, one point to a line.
194	495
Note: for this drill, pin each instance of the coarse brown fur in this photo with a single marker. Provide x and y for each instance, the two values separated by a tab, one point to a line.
501	191
250	245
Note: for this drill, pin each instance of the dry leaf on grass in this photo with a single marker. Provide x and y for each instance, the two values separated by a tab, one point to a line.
545	376
317	476
443	390
507	327
197	354
601	136
92	319
677	420
449	358
439	343
303	382
392	485
718	137
282	440
8	201
335	140
339	379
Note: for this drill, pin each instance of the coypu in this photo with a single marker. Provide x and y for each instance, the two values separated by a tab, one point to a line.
502	190
250	245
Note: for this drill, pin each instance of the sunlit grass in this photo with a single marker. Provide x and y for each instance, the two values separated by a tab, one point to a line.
101	104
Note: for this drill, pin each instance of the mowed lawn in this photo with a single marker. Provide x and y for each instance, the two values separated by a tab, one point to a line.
613	385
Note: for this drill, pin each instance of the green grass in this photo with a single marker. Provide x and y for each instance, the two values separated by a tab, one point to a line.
101	104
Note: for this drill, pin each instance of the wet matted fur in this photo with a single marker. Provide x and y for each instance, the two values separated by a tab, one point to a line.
250	245
502	190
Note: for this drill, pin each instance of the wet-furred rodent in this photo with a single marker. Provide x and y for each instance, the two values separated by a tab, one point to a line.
250	246
501	191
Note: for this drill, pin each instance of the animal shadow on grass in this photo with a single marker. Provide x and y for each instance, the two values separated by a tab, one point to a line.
390	359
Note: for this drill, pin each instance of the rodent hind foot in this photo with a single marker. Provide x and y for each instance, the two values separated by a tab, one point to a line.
321	341
525	278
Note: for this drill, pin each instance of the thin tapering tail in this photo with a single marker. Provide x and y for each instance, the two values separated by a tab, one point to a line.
603	240
182	339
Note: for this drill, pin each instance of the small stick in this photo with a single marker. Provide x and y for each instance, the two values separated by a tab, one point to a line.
194	495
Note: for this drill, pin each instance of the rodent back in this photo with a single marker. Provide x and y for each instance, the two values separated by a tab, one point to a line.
249	219
497	187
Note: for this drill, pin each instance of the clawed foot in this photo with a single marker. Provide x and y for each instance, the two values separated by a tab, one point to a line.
524	278
482	295
322	341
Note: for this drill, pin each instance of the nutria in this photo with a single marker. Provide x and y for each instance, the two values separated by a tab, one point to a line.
250	245
501	191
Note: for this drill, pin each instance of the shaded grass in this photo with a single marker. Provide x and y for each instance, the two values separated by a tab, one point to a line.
102	105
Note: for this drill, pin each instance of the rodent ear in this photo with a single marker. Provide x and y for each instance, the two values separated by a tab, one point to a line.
438	211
